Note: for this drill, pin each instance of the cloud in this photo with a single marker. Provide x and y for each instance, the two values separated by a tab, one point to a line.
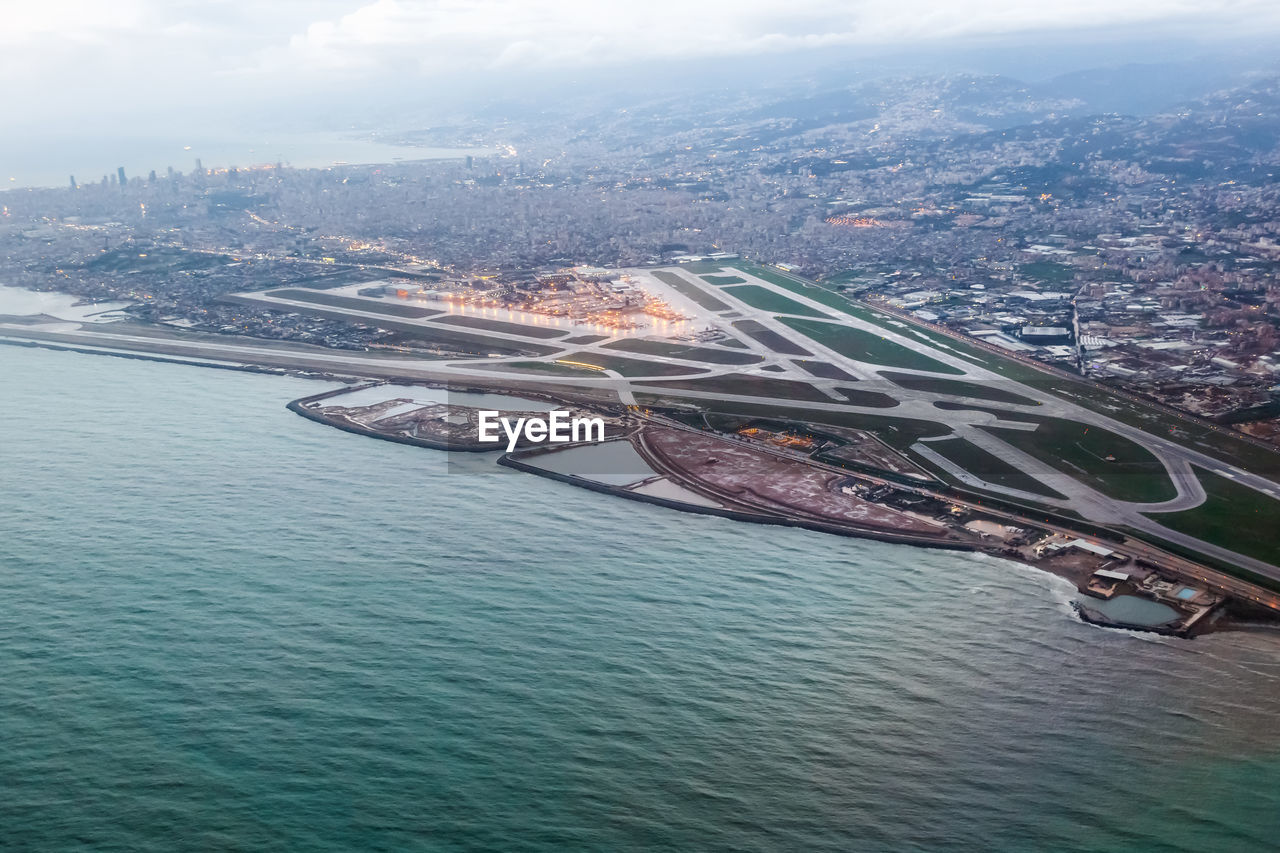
68	20
65	58
435	35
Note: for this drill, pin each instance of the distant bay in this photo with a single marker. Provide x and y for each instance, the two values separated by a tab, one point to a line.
32	161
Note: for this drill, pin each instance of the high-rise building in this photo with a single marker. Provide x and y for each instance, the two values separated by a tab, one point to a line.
152	177
120	175
73	182
199	168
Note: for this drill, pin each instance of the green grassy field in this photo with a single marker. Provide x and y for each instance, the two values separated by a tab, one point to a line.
766	273
373	306
722	280
1047	271
860	396
459	339
766	300
685	351
899	433
835	300
753	386
700	267
989	467
1081	451
633	366
822	369
1002	414
1233	516
170	334
958	387
1010	368
865	346
1216	441
500	326
686	288
1204	559
817	293
543	367
845	277
830	298
770	338
1213	440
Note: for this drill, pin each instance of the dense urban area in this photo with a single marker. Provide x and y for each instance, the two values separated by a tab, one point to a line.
1141	251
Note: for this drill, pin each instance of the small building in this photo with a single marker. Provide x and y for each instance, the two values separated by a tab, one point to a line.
1000	339
1089	547
1046	335
1104	583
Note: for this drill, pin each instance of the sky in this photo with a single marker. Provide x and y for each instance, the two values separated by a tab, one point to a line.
89	58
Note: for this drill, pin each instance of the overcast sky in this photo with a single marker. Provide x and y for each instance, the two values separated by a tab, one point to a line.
86	55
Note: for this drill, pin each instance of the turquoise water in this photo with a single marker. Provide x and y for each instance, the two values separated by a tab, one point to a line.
615	463
1132	610
223	626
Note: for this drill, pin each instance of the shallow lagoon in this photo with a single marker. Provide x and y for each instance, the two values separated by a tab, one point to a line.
1132	610
614	463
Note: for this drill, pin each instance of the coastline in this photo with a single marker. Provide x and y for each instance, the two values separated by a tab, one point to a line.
298	364
512	461
1205	620
299	407
1085	614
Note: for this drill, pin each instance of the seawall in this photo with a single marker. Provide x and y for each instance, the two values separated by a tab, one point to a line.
507	460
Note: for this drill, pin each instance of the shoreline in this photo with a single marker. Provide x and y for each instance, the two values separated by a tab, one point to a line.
1185	625
299	371
295	365
508	460
1200	628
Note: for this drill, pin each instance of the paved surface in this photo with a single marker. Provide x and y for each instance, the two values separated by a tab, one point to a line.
1176	459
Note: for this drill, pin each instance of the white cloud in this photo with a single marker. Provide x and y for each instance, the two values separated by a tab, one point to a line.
61	57
511	34
69	20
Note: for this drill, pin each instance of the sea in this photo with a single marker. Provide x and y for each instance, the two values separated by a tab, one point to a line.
225	627
51	160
